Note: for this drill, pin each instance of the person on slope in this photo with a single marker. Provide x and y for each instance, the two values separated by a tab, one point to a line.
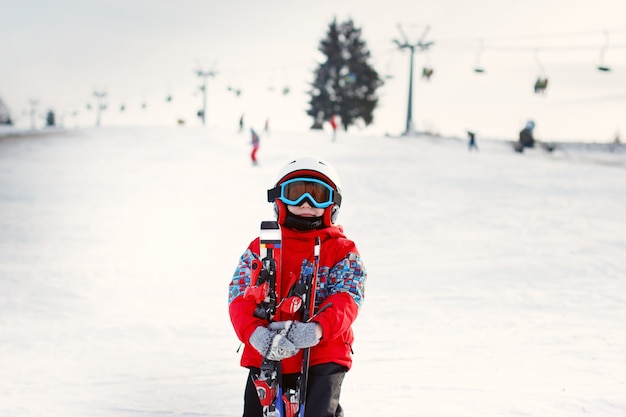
306	197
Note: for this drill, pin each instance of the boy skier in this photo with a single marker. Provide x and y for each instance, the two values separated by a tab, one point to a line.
306	198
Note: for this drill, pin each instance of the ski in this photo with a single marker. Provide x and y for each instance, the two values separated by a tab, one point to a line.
263	284
265	281
301	297
307	315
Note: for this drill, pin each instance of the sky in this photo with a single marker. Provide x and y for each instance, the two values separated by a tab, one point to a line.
57	54
496	280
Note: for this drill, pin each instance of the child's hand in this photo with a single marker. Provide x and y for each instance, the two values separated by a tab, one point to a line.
272	345
302	335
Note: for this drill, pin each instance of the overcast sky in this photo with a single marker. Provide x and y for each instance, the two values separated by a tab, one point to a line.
139	52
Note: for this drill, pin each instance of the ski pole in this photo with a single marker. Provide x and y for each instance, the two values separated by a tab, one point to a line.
309	307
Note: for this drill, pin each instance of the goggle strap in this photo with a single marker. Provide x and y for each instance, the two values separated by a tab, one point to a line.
336	198
273	194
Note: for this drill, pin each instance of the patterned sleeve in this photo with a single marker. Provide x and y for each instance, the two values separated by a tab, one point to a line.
242	276
349	276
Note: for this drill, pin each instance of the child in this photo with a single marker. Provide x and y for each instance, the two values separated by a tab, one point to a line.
255	145
333	124
306	198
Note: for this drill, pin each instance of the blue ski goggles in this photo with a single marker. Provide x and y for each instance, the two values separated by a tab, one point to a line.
295	191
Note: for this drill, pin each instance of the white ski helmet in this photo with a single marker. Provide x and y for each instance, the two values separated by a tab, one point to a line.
307	167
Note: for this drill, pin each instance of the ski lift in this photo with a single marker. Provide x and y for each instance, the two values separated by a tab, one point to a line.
478	68
270	86
236	91
541	83
427	72
234	85
286	88
601	66
388	75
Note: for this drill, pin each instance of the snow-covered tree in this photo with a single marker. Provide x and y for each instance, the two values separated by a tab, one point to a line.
345	83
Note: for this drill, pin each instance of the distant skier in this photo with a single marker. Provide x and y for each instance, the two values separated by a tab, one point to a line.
472	141
526	137
333	124
241	124
255	145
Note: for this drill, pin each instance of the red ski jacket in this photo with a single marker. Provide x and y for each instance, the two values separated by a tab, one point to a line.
340	285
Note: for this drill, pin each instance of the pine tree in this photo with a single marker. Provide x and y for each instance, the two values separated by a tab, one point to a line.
345	84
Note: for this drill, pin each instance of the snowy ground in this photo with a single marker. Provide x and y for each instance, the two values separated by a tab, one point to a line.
497	281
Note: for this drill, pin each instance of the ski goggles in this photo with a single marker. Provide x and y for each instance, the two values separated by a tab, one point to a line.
295	191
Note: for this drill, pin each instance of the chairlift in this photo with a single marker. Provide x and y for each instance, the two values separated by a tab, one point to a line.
236	91
427	72
271	84
541	83
388	73
233	85
286	88
478	68
601	66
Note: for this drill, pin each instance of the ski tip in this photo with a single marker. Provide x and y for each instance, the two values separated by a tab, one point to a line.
269	225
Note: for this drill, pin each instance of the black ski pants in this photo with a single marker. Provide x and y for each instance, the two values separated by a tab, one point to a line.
322	397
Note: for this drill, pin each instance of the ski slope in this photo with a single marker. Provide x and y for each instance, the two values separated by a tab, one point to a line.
497	281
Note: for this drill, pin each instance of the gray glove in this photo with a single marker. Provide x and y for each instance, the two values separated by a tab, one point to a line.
272	345
302	335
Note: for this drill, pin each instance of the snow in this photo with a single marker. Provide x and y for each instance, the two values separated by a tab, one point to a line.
497	280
